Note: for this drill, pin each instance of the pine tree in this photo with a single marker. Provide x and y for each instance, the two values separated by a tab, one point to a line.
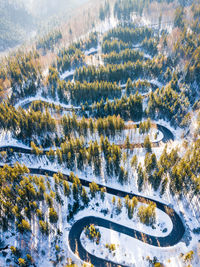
126	201
113	200
44	227
140	180
119	205
94	188
53	216
147	144
147	215
134	161
22	262
103	190
59	156
67	190
75	191
51	155
123	175
164	186
24	226
134	202
130	210
84	197
129	87
127	144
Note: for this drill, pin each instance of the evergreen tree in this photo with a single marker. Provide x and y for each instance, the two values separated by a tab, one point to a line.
119	205
94	188
147	144
67	190
164	186
134	161
84	197
123	175
103	193
127	143
140	180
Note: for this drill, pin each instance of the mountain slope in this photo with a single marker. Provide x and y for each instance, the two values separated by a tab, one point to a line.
15	24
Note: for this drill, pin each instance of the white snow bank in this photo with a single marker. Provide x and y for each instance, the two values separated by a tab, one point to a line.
90	51
130	251
66	74
40	98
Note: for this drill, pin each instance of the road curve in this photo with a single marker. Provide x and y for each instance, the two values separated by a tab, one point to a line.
167	136
78	227
74	235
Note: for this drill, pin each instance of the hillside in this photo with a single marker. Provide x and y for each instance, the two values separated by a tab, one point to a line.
21	20
15	24
100	138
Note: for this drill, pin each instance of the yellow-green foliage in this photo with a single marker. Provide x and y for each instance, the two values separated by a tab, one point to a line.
188	257
22	262
111	247
147	214
93	233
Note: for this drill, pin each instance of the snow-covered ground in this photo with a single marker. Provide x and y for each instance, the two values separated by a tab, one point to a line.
66	74
38	97
106	25
162	227
134	136
128	250
133	254
91	51
153	81
121	240
135	251
6	139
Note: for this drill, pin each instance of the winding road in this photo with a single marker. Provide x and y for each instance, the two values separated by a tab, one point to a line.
167	136
77	228
25	103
